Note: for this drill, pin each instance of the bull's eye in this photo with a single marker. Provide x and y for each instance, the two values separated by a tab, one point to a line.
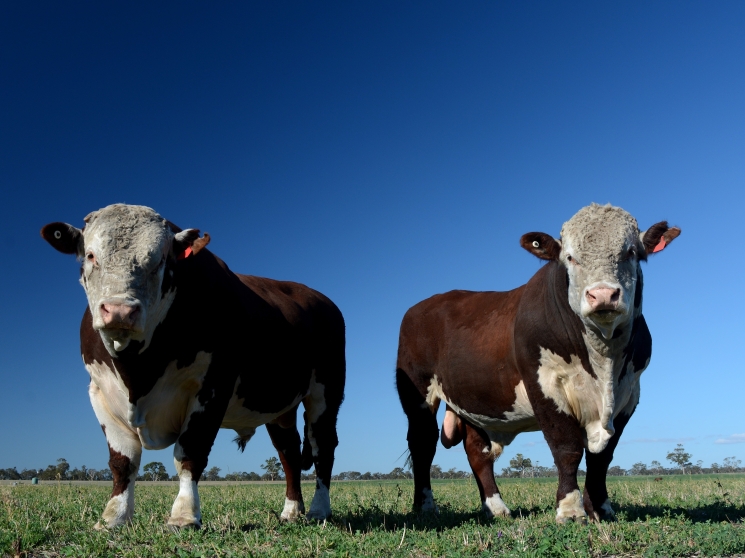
630	254
157	267
91	257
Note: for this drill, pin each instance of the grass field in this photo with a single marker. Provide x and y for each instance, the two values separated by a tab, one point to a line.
679	516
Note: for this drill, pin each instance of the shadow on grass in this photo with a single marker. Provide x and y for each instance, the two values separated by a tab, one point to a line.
366	520
446	519
716	512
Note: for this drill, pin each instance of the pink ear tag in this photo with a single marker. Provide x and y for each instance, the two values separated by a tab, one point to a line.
186	254
660	245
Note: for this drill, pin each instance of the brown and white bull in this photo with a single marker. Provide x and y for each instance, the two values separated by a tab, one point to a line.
178	346
561	354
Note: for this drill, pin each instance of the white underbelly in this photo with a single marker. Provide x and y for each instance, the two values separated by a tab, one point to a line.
519	419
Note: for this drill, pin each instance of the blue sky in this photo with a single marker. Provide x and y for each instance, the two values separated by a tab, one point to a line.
380	153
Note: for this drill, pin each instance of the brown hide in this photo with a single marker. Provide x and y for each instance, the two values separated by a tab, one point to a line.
465	338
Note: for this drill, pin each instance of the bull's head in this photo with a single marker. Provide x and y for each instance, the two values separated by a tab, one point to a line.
128	254
601	248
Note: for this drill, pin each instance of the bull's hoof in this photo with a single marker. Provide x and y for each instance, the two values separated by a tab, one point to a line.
103	525
318	515
428	505
176	524
581	519
293	510
604	513
493	506
571	508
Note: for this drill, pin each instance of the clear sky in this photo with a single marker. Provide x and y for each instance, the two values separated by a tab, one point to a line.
380	152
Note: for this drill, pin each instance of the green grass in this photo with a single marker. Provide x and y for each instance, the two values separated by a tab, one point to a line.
678	516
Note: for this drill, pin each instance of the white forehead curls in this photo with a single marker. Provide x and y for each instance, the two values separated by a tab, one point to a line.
596	229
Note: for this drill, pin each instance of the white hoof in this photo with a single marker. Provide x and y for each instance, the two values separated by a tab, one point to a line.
293	509
494	506
320	507
428	504
571	508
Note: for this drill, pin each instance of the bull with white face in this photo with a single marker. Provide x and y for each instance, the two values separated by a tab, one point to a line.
125	252
178	346
562	354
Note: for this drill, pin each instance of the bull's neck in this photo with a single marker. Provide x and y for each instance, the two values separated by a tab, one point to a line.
605	356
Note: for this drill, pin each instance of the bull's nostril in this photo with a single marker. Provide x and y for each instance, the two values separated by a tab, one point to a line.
134	314
616	295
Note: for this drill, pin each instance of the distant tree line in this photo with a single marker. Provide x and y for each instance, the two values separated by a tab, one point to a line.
519	467
59	471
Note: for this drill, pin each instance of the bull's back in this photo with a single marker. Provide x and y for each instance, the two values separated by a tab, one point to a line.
465	339
299	305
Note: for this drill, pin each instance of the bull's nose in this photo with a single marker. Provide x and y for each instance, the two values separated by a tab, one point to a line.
119	316
603	298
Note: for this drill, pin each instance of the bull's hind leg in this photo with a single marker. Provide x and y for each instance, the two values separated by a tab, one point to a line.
286	440
125	451
422	438
481	457
596	501
326	393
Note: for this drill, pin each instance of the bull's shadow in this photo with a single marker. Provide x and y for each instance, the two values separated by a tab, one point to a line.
714	512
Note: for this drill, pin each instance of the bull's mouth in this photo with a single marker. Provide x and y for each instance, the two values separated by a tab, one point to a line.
118	337
605	315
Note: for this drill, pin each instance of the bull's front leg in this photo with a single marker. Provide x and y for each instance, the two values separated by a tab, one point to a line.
125	451
596	501
565	438
190	454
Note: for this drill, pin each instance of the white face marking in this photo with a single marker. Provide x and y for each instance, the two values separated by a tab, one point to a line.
320	507
292	510
428	504
599	248
494	506
186	509
571	506
125	249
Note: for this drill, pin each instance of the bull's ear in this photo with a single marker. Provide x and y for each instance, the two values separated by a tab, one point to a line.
63	237
658	236
187	242
541	245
